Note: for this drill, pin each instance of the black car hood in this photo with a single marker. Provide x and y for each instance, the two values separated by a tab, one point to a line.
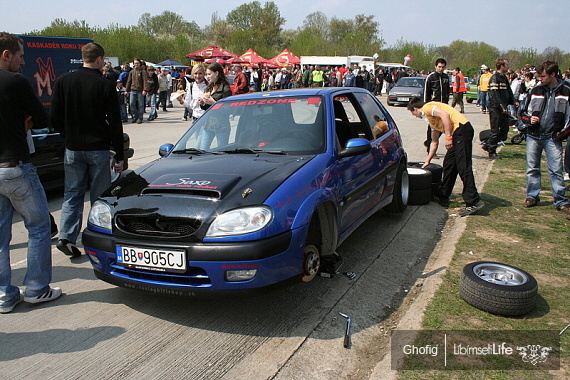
213	181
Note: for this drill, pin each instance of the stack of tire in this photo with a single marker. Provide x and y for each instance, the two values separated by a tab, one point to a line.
423	182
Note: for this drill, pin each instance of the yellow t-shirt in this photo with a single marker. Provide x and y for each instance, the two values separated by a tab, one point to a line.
435	122
484	81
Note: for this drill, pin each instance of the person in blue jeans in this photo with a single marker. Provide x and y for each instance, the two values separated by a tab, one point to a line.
85	110
547	115
20	187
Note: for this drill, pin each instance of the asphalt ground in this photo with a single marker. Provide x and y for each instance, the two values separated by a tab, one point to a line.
97	330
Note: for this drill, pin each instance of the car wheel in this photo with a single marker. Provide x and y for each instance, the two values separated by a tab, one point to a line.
436	173
498	288
517	139
311	263
419	197
420	179
401	192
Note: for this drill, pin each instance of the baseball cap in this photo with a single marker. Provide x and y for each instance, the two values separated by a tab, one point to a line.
484	67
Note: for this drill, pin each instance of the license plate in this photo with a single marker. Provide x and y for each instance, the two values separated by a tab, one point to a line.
152	259
403	99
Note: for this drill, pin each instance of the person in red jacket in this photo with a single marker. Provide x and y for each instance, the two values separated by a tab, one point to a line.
240	82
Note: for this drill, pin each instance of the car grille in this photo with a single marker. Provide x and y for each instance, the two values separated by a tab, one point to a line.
194	276
157	225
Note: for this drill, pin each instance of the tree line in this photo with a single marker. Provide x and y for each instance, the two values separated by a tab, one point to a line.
253	25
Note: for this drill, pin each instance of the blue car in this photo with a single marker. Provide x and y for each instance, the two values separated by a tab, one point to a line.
259	191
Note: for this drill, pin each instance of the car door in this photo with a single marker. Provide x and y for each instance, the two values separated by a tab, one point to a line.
358	185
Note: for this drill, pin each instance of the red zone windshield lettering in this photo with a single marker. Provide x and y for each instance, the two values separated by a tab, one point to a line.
262	101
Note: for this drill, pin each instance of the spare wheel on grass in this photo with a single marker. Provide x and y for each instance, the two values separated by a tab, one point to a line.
498	288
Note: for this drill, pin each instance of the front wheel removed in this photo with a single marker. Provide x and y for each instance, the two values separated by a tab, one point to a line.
498	288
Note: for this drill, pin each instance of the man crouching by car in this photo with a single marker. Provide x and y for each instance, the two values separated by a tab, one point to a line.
85	110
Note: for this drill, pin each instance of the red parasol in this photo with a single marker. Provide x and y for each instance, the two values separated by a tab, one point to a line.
236	60
252	57
211	52
285	58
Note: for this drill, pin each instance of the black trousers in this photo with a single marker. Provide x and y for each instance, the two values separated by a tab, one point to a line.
458	160
499	128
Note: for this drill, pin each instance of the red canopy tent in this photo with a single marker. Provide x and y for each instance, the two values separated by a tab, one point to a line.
285	59
252	57
211	52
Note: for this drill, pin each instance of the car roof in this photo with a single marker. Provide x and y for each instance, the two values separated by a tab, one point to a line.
322	91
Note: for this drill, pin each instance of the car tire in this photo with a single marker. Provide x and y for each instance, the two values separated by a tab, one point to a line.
498	288
484	135
436	173
311	263
401	192
516	139
420	179
419	197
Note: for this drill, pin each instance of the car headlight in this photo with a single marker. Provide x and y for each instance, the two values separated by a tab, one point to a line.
240	221
100	215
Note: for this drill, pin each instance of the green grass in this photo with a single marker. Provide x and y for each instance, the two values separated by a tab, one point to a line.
536	240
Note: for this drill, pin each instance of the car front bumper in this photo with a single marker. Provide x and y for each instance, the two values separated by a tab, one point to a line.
275	260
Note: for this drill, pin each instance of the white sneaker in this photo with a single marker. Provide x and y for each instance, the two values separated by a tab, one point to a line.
7	309
50	295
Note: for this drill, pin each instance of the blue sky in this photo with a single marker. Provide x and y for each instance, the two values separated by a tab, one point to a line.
501	24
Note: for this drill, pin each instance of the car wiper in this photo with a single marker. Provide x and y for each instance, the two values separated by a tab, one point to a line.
190	151
253	151
240	150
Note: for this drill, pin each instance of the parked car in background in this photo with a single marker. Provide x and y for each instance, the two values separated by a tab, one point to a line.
472	92
405	89
48	157
260	190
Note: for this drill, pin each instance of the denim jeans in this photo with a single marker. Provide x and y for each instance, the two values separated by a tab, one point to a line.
151	98
553	149
484	99
83	169
136	104
21	190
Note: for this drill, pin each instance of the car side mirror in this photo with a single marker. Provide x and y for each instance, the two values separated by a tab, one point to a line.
355	147
165	149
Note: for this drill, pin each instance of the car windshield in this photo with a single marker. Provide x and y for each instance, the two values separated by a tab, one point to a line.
410	82
278	125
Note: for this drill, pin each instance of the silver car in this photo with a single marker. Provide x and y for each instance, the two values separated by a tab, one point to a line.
405	89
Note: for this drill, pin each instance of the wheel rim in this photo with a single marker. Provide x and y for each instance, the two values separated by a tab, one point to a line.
311	263
405	187
500	274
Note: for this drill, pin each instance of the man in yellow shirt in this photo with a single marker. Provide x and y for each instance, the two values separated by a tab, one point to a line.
458	131
484	88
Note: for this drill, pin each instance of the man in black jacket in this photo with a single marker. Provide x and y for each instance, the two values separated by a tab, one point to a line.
500	97
436	90
85	110
20	187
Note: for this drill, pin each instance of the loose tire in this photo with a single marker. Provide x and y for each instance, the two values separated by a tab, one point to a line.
435	170
419	197
498	288
517	139
420	179
401	192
